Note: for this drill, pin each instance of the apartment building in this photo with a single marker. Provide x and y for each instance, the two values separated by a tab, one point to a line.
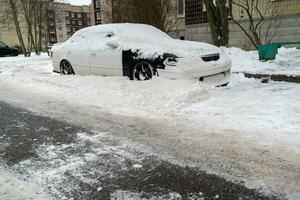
66	19
102	11
197	27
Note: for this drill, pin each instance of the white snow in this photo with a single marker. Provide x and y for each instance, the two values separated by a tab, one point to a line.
269	110
147	40
287	62
14	188
267	113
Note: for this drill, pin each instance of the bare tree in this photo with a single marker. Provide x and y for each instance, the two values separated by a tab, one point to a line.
256	21
217	14
33	14
155	12
11	16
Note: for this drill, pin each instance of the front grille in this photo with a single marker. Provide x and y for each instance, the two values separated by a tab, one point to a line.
211	57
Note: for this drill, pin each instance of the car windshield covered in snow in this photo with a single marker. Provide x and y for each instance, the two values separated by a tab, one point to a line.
128	32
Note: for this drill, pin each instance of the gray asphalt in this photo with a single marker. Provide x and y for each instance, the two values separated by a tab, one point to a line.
72	162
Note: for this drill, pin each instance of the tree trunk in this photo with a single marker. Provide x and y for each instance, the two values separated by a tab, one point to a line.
218	21
14	10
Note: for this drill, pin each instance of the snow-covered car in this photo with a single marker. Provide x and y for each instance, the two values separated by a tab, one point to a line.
139	52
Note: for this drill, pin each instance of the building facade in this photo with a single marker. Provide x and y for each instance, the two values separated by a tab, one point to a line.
63	21
287	29
102	11
66	19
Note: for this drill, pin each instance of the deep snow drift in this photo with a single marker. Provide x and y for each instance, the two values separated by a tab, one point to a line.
287	62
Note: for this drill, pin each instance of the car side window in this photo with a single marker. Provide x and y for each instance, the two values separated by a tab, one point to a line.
2	45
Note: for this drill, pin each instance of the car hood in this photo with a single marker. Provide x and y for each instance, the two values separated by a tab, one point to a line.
180	48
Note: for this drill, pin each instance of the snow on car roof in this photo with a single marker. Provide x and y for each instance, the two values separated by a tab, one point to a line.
146	39
127	30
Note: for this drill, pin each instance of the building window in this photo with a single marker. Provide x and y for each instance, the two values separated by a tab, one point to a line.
97	3
73	15
180	8
107	13
98	16
80	23
195	12
67	14
79	15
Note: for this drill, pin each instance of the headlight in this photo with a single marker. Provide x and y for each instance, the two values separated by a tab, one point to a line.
170	61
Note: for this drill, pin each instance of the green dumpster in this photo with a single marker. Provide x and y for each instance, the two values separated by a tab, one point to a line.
269	51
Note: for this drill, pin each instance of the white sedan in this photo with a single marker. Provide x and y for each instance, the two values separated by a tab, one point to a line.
139	52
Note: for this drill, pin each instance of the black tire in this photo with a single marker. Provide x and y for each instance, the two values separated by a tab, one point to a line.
66	68
142	71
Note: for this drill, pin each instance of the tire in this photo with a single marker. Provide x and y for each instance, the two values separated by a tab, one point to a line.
66	68
142	71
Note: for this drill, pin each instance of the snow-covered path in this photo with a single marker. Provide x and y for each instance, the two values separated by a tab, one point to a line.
247	131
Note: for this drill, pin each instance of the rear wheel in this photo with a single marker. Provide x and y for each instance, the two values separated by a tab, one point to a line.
66	68
142	71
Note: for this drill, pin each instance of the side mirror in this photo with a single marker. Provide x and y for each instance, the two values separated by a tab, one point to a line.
112	44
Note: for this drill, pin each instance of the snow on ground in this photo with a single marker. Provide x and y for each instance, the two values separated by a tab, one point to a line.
287	61
12	187
268	113
269	110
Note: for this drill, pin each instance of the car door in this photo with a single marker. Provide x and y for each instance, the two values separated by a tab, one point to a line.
105	60
78	53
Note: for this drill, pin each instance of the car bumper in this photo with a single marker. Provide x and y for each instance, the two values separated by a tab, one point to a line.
56	67
217	75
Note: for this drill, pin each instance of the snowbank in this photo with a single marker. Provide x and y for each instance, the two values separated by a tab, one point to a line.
287	62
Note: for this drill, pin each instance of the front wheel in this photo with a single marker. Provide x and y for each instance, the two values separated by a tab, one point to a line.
142	71
66	68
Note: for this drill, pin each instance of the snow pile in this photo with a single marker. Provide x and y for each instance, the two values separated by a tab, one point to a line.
112	94
287	62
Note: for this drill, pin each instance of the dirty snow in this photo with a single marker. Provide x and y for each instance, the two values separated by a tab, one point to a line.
13	187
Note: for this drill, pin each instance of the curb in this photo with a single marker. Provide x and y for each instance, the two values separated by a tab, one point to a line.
273	77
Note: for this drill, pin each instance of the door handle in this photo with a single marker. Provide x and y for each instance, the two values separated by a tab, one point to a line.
93	54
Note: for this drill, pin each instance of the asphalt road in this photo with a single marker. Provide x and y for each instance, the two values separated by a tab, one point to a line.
67	161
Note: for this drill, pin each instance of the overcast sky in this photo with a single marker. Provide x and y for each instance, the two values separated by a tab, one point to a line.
80	2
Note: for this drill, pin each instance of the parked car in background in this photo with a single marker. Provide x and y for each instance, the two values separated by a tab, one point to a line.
139	52
7	51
